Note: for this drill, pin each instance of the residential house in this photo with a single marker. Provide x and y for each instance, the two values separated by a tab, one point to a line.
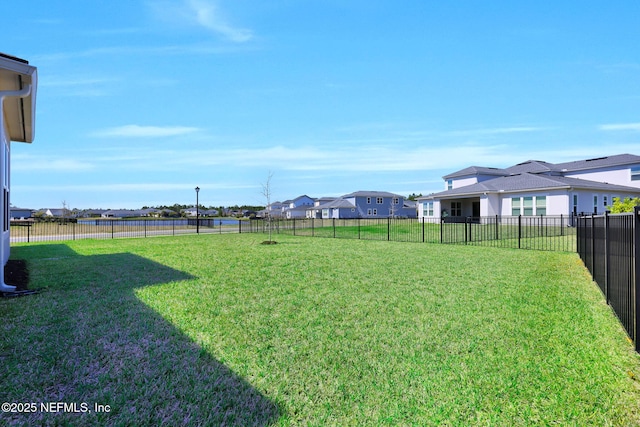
274	210
367	204
297	208
91	213
19	213
535	188
122	213
18	85
314	212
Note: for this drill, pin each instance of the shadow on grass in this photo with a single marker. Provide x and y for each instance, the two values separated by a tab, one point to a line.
89	340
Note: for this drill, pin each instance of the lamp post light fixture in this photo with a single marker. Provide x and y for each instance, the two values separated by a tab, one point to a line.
197	211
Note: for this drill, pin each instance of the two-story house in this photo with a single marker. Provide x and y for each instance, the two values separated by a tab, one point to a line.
18	83
535	188
367	204
297	208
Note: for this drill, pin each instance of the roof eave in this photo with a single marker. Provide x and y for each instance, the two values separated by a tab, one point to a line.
19	112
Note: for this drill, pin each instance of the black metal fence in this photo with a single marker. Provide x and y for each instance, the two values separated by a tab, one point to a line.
609	246
540	233
56	230
551	233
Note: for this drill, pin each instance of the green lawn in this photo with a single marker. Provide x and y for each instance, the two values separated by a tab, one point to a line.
221	330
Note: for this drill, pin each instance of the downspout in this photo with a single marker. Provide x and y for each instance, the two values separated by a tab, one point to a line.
22	93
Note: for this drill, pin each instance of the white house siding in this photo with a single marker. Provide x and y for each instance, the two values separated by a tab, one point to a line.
619	177
556	202
461	182
4	184
490	205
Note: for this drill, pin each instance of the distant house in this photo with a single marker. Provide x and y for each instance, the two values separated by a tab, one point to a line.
19	213
122	213
192	211
274	210
18	85
315	212
91	213
297	208
55	213
366	204
535	188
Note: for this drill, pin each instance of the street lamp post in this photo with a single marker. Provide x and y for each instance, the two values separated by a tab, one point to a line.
197	212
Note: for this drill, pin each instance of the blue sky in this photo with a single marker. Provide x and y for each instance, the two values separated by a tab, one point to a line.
141	101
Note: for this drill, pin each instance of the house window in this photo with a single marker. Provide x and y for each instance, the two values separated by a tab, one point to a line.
427	209
449	184
575	204
541	205
515	206
375	212
379	200
635	173
396	201
595	204
456	208
605	201
368	200
369	211
528	206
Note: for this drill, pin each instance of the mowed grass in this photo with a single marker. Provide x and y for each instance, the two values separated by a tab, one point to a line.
221	330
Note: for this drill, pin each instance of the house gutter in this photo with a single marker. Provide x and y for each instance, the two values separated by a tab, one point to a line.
21	93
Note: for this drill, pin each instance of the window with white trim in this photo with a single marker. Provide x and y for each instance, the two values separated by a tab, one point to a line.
635	173
529	206
427	209
456	208
449	184
368	200
541	205
515	206
379	200
369	211
375	211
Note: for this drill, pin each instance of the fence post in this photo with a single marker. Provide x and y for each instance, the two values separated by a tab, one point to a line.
334	228
28	233
112	229
388	228
519	230
422	229
593	247
312	227
636	257
294	226
441	229
145	227
466	234
358	228
606	255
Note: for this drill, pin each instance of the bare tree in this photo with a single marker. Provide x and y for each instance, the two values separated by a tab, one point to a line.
266	192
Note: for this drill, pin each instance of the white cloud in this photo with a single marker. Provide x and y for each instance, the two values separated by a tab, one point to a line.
202	13
496	131
30	163
620	126
208	15
137	131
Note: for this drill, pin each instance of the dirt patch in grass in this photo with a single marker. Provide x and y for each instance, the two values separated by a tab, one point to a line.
16	273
